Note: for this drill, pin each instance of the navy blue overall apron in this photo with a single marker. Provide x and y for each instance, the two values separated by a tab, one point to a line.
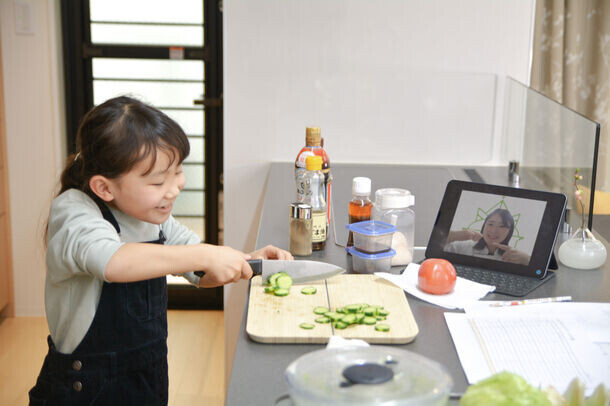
122	360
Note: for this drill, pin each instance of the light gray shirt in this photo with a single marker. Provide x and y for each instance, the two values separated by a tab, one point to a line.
467	248
80	244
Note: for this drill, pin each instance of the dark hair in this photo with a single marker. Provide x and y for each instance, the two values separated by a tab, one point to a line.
507	221
115	136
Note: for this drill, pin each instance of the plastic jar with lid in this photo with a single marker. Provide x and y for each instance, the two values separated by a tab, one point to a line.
395	206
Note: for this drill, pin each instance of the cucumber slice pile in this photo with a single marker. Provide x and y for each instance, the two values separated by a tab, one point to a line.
352	314
278	284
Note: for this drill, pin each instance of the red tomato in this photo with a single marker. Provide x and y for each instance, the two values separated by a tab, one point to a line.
436	276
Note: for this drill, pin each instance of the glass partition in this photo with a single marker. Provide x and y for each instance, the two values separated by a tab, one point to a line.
550	142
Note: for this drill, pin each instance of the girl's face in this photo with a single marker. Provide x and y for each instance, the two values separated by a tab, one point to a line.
149	197
495	231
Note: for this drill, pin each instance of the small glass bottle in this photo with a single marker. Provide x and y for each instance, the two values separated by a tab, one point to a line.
300	229
314	196
359	208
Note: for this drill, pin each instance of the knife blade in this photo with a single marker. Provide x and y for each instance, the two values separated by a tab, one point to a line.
301	271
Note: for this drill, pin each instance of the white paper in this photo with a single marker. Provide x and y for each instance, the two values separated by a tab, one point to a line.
547	344
464	292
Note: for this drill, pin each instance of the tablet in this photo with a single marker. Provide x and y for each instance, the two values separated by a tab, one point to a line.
497	228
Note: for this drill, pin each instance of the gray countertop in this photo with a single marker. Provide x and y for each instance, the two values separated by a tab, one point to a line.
257	373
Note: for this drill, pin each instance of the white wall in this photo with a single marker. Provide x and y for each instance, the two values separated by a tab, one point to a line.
35	139
377	76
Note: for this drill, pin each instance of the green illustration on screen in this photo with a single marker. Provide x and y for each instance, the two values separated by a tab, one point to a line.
482	214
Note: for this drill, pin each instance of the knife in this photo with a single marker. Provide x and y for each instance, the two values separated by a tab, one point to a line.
300	271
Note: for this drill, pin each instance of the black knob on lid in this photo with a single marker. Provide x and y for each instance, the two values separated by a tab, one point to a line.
368	374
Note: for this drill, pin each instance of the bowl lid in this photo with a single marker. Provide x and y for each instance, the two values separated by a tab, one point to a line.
367	376
371	228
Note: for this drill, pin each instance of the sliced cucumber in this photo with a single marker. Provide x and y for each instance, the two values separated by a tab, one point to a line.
382	327
281	292
279	283
273	278
307	326
320	310
310	290
333	316
369	311
284	281
356	313
349	319
369	320
353	308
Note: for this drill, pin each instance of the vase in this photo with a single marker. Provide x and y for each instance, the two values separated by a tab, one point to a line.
582	251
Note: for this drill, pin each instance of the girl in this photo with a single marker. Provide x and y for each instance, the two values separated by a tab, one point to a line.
111	240
493	239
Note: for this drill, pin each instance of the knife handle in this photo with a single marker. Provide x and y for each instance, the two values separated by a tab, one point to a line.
255	264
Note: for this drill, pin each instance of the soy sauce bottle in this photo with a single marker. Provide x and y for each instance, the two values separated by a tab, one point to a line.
314	145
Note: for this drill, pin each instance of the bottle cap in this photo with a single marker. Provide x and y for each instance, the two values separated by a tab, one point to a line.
313	163
313	136
392	198
300	210
361	186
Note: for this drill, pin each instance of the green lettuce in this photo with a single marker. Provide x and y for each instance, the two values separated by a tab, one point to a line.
504	389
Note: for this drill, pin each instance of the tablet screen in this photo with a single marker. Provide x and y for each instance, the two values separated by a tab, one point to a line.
501	228
497	227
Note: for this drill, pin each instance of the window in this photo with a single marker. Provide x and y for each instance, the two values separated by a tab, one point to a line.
168	54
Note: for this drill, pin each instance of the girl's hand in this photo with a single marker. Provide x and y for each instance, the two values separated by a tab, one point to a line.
464	235
513	255
225	265
271	252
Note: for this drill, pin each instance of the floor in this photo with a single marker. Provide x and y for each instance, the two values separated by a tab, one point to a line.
196	357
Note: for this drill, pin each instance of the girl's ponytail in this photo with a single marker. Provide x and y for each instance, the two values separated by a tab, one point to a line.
72	176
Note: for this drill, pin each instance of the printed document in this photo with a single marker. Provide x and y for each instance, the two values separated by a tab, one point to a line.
547	344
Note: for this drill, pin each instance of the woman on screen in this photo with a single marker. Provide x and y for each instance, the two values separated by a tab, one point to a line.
492	241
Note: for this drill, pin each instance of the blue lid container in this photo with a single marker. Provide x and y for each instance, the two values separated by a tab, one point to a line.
363	262
372	236
371	228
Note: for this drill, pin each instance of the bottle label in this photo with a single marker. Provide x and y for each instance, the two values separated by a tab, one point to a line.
300	162
318	226
303	187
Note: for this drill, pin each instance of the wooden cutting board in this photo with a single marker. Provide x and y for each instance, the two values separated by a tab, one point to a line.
273	319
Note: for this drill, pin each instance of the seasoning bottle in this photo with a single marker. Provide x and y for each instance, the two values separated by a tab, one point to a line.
359	208
300	229
314	145
314	196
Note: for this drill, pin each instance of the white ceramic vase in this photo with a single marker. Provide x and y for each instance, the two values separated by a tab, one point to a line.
582	251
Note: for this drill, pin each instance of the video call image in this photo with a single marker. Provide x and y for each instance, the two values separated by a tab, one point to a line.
502	228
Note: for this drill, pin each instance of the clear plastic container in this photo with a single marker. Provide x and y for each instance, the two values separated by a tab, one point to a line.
402	378
395	206
370	263
371	236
